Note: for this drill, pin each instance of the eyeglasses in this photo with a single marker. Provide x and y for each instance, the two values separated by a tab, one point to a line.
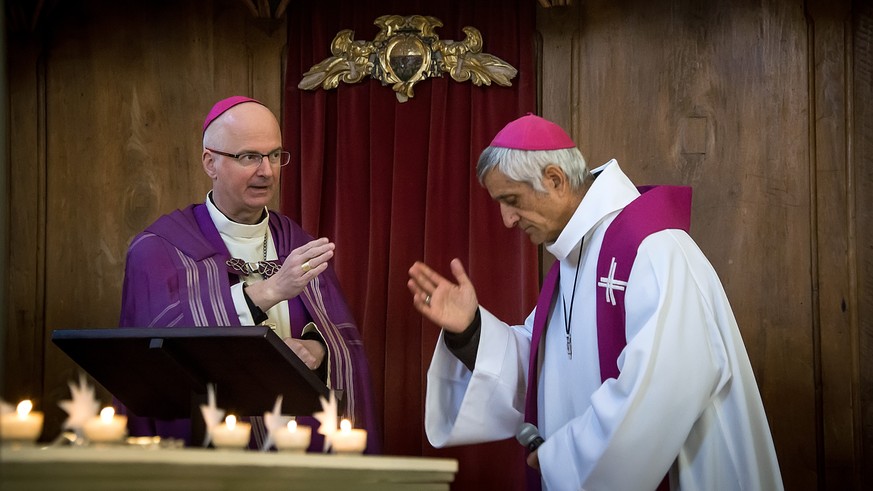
277	157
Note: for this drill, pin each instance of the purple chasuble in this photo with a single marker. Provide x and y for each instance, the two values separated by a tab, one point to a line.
176	275
657	208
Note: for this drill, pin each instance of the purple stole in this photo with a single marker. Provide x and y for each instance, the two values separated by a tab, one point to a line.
657	208
198	254
298	314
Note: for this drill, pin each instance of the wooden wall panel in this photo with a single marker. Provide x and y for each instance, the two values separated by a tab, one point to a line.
747	102
862	159
26	267
125	92
833	194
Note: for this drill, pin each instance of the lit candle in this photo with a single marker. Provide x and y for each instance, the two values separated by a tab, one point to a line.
348	439
231	434
106	428
24	425
293	438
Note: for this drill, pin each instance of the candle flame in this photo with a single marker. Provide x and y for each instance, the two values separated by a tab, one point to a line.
230	421
24	408
345	425
292	426
106	414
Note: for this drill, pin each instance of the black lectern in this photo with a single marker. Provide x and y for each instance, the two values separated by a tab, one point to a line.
163	372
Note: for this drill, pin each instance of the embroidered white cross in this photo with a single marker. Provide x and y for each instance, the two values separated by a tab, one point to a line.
611	284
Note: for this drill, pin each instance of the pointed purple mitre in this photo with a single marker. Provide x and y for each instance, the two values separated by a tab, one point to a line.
223	105
532	132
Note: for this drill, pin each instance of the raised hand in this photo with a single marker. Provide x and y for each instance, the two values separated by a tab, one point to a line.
449	305
300	267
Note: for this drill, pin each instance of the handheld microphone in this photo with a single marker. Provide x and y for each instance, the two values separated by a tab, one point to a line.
529	436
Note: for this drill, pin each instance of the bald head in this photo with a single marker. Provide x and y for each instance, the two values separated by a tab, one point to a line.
240	191
241	123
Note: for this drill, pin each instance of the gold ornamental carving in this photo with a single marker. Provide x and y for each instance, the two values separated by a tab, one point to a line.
406	51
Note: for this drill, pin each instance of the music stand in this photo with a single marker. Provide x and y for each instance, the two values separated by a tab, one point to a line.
163	372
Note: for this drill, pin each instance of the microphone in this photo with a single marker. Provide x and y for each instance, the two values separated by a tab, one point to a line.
529	436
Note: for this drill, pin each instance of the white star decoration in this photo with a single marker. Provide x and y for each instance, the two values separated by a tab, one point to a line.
273	421
82	407
327	417
212	415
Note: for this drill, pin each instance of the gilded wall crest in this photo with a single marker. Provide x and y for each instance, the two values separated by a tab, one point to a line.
406	51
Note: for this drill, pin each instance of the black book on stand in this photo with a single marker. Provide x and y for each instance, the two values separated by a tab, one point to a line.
163	372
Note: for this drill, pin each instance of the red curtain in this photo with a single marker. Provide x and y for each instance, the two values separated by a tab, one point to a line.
391	183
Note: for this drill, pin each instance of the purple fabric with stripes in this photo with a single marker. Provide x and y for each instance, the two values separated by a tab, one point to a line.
176	276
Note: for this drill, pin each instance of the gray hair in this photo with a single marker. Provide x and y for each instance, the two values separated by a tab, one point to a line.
528	165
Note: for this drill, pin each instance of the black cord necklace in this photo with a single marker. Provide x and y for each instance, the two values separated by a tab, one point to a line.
568	318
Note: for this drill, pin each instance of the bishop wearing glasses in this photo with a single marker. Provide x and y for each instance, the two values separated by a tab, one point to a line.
229	261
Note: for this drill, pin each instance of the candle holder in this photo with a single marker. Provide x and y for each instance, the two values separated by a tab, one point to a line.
231	435
108	428
348	440
293	438
21	427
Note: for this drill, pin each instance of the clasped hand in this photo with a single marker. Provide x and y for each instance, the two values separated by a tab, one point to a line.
309	351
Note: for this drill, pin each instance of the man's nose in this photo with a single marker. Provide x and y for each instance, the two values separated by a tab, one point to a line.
265	168
510	217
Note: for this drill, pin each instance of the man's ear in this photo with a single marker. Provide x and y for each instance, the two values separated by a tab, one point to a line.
209	164
554	177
